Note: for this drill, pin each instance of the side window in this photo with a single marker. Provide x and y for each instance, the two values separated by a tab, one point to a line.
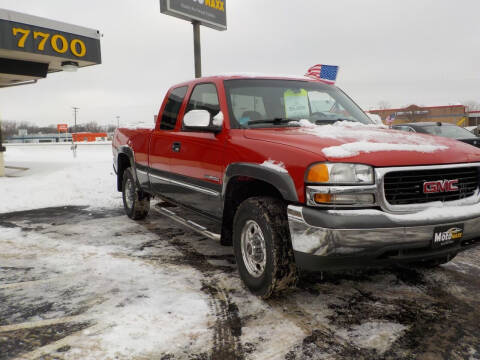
174	103
204	97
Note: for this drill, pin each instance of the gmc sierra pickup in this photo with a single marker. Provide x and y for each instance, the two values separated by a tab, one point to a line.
293	174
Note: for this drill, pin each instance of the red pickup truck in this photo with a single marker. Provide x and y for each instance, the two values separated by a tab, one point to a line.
293	174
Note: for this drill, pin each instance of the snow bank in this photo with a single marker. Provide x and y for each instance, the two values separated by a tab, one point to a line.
55	178
136	307
275	165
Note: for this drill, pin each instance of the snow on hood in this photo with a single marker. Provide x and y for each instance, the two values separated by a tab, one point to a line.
361	138
355	148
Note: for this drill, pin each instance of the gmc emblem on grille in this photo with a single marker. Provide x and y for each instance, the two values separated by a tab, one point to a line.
431	187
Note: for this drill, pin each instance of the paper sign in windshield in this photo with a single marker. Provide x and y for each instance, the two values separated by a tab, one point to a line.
296	104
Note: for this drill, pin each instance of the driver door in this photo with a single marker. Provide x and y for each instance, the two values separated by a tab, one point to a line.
197	161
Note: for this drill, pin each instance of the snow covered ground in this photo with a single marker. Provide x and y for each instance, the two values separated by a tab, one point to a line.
79	280
54	177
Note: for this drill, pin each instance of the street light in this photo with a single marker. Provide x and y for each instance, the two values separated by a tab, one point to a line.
118	121
69	66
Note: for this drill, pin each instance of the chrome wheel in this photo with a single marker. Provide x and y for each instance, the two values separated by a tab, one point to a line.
129	193
253	247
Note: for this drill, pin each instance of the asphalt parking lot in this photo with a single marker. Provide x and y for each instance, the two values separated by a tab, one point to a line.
77	283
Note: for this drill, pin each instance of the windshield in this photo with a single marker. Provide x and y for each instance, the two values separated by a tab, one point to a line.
260	103
449	131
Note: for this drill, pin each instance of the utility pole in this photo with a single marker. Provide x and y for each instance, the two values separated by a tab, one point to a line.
2	150
75	110
118	121
197	51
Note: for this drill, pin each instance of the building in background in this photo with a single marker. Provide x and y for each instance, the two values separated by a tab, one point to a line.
25	138
474	118
22	137
89	137
455	114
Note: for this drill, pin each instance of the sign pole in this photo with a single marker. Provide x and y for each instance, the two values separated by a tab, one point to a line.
208	13
2	150
197	49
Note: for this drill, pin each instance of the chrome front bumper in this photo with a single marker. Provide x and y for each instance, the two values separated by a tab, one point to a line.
372	233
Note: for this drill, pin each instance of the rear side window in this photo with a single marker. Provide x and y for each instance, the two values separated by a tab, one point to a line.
204	97
174	103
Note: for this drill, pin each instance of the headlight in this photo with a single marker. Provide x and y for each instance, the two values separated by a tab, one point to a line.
337	184
340	173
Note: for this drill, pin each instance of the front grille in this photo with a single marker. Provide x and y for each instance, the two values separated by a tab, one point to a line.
406	187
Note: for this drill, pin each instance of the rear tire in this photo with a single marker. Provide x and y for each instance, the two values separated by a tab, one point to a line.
262	246
135	202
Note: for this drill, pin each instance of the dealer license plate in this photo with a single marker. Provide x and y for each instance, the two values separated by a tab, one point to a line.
447	235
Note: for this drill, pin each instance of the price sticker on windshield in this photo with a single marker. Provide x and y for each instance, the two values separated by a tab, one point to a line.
296	104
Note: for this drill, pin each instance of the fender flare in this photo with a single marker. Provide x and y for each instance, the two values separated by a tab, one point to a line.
281	181
126	150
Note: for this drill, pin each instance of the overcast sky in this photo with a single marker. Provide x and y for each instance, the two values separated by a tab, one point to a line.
410	51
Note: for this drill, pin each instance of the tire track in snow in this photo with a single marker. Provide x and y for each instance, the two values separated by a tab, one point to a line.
227	330
228	326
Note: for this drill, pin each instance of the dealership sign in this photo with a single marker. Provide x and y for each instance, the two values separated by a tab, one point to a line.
33	46
62	128
210	13
50	42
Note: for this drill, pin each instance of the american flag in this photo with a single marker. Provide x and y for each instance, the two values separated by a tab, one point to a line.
325	73
390	118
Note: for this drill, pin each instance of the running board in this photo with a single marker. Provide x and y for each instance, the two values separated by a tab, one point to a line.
188	223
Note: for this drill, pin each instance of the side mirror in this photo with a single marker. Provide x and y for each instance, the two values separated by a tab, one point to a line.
200	120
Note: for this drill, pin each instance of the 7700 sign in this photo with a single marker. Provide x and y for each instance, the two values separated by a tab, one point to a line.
58	43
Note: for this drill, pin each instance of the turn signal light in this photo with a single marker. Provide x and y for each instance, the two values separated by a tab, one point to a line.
344	199
323	198
318	174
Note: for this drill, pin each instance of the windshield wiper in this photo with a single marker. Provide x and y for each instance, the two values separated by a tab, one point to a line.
275	121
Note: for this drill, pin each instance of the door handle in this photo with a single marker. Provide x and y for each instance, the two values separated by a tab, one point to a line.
176	147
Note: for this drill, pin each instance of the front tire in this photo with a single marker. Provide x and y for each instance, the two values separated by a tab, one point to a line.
262	247
135	202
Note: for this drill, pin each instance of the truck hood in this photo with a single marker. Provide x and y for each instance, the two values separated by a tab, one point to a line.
368	144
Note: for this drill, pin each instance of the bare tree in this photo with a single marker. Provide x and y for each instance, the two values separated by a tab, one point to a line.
111	128
414	113
472	105
383	105
10	128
